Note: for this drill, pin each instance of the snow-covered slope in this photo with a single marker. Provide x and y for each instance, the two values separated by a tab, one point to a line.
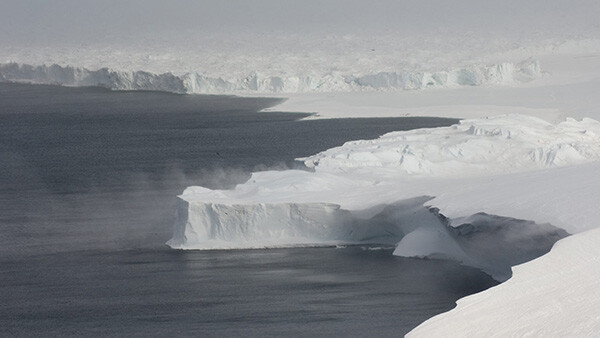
552	296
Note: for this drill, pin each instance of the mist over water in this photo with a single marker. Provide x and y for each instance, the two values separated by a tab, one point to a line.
88	180
103	168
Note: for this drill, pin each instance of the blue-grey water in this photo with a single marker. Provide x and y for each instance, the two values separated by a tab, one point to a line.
87	185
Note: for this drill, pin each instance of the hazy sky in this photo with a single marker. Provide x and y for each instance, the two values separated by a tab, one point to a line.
82	21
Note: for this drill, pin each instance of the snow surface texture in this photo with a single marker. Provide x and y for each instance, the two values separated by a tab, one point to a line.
494	145
558	290
505	73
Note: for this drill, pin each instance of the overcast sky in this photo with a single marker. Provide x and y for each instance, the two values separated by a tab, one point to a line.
81	21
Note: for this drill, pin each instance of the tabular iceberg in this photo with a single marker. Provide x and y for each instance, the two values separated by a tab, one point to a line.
377	191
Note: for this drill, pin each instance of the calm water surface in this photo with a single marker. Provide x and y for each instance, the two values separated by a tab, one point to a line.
87	185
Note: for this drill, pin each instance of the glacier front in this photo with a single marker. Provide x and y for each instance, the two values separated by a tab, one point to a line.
284	82
392	191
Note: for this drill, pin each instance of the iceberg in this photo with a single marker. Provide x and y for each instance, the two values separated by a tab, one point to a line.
205	225
392	191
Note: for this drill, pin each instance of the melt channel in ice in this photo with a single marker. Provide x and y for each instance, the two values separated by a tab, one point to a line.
386	191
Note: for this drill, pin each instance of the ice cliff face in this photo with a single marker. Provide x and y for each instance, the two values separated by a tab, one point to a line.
493	244
193	82
74	76
202	225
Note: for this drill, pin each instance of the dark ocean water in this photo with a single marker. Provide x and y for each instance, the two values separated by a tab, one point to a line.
87	185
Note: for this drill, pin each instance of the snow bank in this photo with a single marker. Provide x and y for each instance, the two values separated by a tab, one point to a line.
285	82
552	296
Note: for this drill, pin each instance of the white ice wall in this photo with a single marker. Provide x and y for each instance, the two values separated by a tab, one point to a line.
208	225
254	82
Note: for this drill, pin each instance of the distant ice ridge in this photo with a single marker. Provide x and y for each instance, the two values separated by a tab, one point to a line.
367	192
80	77
331	81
